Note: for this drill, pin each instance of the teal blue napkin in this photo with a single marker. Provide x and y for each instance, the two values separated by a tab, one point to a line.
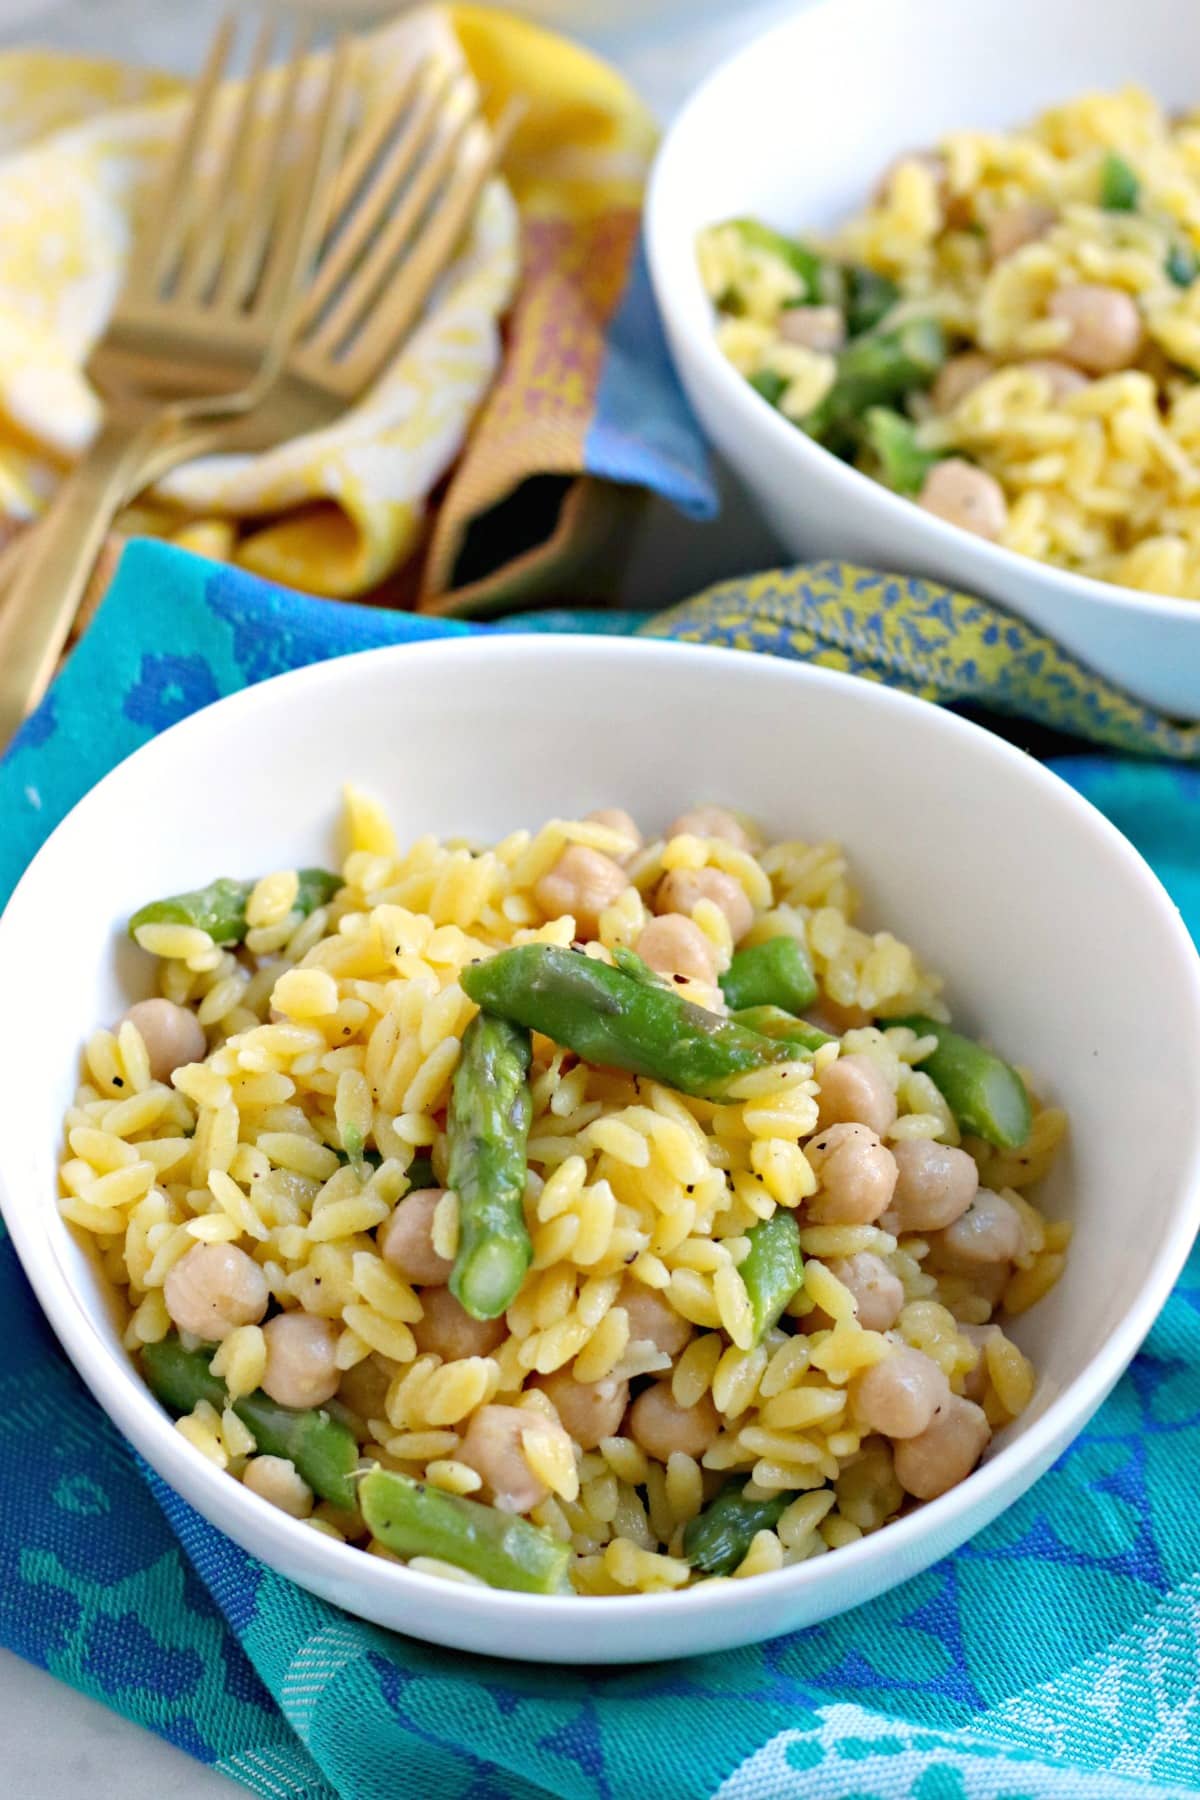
1057	1654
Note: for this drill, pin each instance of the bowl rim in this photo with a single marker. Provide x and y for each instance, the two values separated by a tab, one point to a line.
119	1389
751	411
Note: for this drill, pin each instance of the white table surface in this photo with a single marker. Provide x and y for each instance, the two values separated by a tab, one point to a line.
58	1745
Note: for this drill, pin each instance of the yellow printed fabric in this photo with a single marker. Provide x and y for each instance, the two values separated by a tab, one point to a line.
341	511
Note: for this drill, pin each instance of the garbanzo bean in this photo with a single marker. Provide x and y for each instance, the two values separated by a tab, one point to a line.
213	1289
583	883
855	1091
899	1396
944	1454
856	1176
673	944
406	1240
965	496
173	1036
661	1426
682	889
589	1410
447	1330
301	1370
935	1184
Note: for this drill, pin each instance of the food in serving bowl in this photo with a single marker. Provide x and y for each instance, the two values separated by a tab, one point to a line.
509	1210
1007	333
1050	931
797	130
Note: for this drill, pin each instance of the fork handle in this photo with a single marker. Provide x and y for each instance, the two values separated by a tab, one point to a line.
36	618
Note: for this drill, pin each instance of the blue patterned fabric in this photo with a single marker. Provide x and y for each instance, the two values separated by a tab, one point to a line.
1056	1655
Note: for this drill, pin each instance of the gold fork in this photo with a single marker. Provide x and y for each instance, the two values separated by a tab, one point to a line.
403	197
203	321
402	200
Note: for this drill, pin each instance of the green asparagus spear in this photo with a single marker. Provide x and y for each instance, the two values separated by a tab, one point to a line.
487	1128
773	1022
220	908
630	963
985	1094
876	370
893	438
1182	265
774	1268
819	277
1119	185
770	385
608	1017
322	1449
775	973
868	297
717	1539
504	1551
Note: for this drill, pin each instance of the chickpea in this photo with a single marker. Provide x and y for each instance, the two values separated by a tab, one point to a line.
711	822
615	818
652	1318
583	883
975	1380
214	1288
935	1184
955	490
447	1330
274	1478
675	945
1060	377
1018	225
494	1446
958	377
173	1036
878	1293
660	1425
406	1241
855	1173
301	1370
988	1232
855	1091
899	1396
589	1410
1105	326
682	889
946	1451
820	328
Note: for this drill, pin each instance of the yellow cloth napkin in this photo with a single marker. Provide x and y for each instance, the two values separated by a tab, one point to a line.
340	511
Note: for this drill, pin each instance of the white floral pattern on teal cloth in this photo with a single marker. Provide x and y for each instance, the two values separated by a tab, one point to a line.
1055	1657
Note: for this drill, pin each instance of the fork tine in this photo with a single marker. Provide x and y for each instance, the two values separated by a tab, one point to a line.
365	147
251	224
298	227
384	329
364	281
157	243
371	205
202	257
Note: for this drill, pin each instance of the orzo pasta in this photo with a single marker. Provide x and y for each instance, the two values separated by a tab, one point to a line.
573	1213
1009	334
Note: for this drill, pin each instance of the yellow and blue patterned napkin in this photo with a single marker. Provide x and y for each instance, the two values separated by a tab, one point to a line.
573	407
1054	1657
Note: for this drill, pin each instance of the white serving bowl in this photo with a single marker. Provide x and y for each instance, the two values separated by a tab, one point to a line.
1054	936
796	129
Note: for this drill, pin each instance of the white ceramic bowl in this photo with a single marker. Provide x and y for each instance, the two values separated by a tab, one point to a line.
796	129
1054	936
